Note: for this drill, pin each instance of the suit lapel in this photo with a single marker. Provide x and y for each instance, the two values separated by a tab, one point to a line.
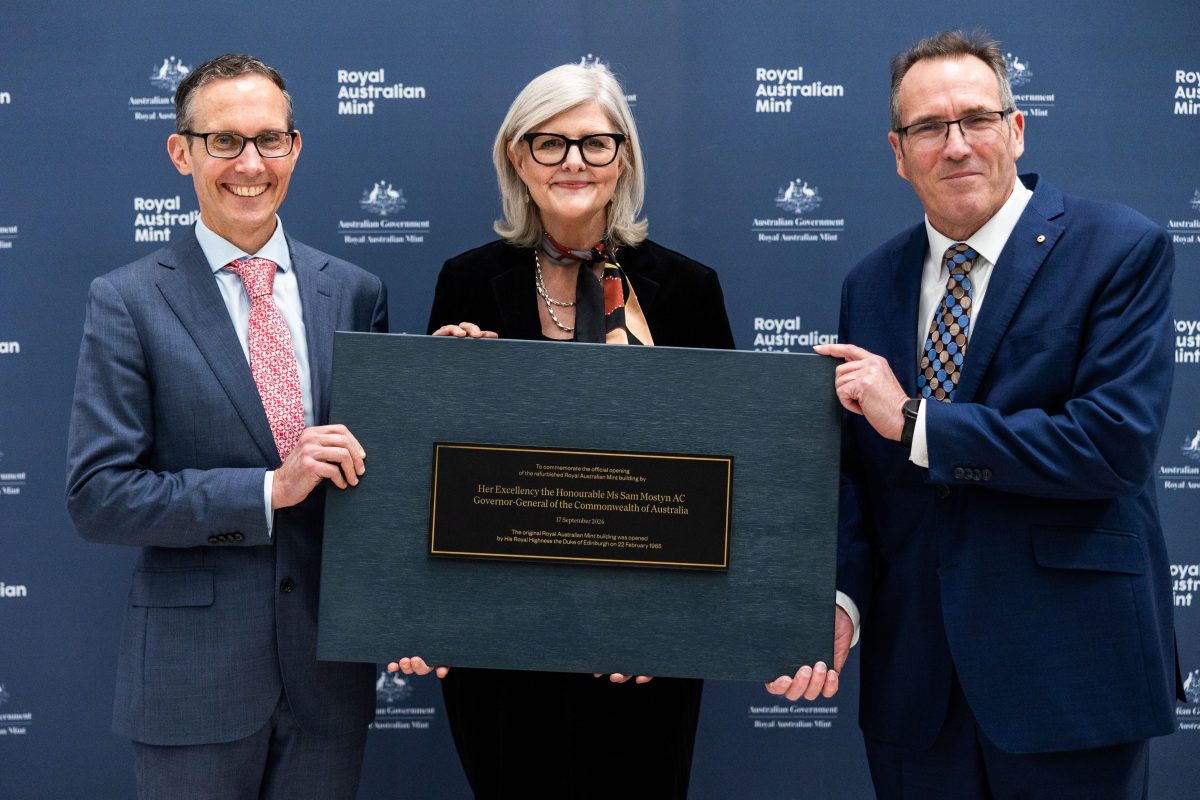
646	289
318	301
901	304
516	295
1019	262
189	288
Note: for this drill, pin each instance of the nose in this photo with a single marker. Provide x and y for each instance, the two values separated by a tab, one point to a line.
574	159
249	159
956	143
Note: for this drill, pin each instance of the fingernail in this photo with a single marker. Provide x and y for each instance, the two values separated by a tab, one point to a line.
806	671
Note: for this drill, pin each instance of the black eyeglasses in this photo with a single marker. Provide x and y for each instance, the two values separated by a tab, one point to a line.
981	126
222	144
596	149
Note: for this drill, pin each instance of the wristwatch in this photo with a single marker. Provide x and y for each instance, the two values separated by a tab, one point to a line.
910	409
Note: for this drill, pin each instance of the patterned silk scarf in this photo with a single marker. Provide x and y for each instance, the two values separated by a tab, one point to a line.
606	310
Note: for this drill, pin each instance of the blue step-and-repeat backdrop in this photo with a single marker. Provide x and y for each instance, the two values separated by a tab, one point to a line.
763	126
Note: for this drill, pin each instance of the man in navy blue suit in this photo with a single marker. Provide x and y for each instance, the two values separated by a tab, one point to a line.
198	434
1007	368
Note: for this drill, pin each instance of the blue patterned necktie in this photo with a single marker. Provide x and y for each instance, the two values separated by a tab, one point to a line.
946	345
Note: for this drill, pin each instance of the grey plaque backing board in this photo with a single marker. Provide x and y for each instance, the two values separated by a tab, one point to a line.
383	596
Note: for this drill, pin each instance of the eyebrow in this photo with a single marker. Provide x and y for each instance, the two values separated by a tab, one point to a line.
248	135
935	118
580	136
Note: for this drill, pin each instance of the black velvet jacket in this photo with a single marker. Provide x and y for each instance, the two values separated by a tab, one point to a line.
493	287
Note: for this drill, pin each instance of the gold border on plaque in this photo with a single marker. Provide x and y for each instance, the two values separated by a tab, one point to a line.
437	446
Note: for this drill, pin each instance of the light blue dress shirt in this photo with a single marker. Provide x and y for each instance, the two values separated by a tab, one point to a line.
285	292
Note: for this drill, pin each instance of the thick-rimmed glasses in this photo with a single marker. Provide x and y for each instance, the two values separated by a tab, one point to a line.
222	144
980	127
596	149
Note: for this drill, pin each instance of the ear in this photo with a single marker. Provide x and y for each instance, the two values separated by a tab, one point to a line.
179	149
296	143
894	141
1018	129
516	160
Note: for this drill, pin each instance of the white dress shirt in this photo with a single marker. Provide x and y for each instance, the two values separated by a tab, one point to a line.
989	242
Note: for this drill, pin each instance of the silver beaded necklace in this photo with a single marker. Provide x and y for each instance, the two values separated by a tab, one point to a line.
550	301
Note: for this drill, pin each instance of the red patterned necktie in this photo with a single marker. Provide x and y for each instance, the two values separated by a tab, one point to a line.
946	345
272	359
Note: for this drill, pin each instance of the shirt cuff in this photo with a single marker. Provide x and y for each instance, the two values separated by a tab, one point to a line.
919	452
268	483
848	605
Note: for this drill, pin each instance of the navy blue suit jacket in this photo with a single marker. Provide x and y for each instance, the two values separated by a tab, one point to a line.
168	447
1029	557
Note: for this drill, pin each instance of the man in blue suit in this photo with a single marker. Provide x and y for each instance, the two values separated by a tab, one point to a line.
198	434
1007	367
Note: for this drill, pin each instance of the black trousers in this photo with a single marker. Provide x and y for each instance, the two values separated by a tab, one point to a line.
567	735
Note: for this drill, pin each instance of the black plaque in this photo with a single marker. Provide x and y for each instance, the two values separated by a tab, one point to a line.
580	506
770	610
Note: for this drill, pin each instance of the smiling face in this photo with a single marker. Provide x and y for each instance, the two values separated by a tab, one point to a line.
572	198
238	197
965	182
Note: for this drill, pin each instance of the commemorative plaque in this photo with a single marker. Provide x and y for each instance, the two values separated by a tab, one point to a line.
652	510
588	506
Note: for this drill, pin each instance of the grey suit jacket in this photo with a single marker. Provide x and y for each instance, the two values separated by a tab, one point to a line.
167	450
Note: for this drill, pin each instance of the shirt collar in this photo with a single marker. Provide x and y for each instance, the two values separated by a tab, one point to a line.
220	252
989	240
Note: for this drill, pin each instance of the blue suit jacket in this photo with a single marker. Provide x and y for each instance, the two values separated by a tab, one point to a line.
1029	556
167	451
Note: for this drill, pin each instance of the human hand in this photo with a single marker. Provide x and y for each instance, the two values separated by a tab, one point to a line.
866	385
819	680
465	329
618	677
415	666
324	451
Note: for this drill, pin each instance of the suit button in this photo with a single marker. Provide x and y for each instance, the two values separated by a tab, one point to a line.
942	491
958	473
237	537
213	540
987	474
287	585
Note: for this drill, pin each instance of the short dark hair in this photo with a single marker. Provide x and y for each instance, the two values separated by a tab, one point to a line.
952	44
230	65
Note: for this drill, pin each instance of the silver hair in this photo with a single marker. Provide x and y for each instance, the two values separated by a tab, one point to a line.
546	96
952	44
